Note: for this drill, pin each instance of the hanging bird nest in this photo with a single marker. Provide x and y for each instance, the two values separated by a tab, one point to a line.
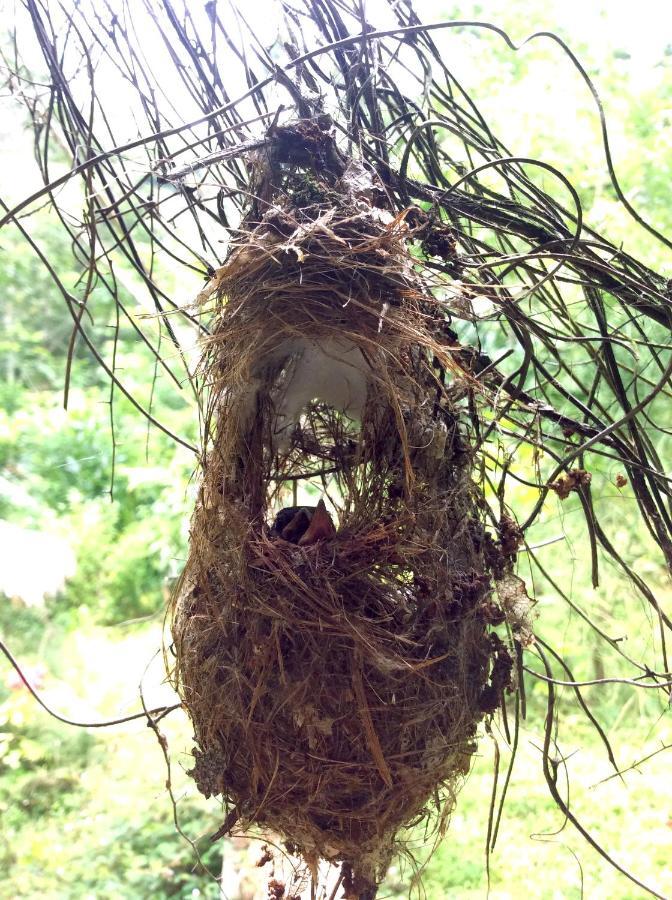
321	667
335	677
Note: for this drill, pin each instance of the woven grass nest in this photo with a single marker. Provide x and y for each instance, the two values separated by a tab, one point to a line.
335	688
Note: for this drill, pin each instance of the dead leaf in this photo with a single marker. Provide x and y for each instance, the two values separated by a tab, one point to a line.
572	481
517	606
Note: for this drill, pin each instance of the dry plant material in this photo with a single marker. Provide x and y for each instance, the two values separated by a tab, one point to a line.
336	685
572	481
266	857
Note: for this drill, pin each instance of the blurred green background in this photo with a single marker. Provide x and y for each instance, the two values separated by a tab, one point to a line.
83	580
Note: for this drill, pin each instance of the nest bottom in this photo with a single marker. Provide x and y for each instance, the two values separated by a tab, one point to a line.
335	700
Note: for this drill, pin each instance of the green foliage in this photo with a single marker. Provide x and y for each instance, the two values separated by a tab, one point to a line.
61	465
36	327
65	457
37	776
536	102
61	840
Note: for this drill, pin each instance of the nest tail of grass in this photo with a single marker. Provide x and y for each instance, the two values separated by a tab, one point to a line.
335	689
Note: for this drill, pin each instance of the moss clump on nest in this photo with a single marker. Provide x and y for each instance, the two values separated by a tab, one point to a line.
336	689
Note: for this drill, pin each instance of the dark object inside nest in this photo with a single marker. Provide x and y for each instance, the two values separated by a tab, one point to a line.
303	525
306	143
335	683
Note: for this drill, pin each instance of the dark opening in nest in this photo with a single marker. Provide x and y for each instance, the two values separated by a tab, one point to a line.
335	689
